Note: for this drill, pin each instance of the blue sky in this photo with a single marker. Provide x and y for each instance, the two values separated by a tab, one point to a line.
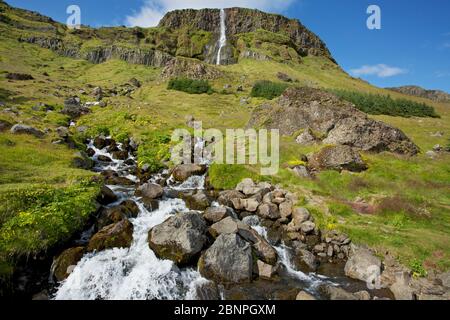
412	47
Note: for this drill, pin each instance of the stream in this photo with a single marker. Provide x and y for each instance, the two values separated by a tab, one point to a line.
136	273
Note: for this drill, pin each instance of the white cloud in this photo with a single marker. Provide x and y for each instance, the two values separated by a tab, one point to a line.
153	10
379	70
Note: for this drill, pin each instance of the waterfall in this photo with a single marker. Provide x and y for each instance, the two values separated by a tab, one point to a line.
223	35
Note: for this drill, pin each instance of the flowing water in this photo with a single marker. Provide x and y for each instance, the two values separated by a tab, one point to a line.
223	35
136	272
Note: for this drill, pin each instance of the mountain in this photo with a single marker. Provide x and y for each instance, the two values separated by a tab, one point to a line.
435	95
183	33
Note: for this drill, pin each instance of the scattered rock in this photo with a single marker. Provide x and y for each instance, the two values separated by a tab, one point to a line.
127	209
62	132
69	258
285	209
207	291
182	172
23	129
135	82
284	77
307	259
227	225
107	196
401	287
82	161
197	201
228	260
337	158
362	265
120	155
307	138
431	154
301	171
336	293
150	191
103	158
226	197
269	211
118	235
216	214
73	108
300	215
264	270
307	227
305	296
180	238
19	76
5	125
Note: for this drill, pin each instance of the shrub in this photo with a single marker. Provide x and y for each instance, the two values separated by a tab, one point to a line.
380	104
190	86
417	269
154	150
267	89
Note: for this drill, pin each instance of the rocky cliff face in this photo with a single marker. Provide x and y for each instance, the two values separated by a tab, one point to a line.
241	20
187	33
435	95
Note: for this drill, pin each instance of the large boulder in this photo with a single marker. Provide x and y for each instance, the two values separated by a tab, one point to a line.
337	158
228	260
362	265
261	247
216	214
63	265
150	191
182	172
339	122
127	209
23	129
117	235
180	238
196	201
269	211
106	196
227	197
73	108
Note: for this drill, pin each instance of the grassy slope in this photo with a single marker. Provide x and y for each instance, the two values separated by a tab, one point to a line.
415	226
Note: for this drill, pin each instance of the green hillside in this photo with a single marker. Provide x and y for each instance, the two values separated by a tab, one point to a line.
45	198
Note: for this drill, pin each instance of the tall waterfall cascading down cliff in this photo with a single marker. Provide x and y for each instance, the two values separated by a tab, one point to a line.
223	35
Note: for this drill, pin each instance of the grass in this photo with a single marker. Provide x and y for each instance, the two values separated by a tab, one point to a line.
43	199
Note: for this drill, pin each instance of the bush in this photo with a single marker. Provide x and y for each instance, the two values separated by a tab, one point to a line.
267	89
190	86
154	150
379	104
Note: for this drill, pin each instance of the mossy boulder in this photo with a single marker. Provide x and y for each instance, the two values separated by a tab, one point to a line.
229	260
64	263
117	235
338	158
180	238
